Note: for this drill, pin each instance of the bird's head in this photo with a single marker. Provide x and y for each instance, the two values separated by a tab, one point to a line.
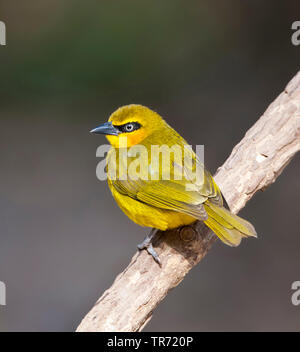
135	122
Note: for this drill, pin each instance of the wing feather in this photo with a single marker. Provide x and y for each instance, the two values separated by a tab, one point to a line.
186	195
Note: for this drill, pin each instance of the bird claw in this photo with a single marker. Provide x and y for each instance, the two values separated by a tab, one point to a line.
142	246
152	252
146	244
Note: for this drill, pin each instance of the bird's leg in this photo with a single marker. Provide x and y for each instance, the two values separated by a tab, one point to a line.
147	240
146	244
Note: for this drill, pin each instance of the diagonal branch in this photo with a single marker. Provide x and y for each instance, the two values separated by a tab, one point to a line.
253	165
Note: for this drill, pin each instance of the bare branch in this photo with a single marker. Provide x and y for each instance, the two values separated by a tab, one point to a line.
253	165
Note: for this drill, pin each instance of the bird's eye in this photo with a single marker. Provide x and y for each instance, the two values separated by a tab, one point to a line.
129	127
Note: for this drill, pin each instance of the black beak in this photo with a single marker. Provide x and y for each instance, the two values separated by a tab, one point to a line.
106	128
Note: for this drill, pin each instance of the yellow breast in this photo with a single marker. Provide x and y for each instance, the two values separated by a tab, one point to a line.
149	216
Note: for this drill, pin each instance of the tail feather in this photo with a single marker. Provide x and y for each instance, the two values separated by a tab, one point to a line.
231	237
229	227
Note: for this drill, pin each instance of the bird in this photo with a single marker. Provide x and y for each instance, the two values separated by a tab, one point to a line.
149	198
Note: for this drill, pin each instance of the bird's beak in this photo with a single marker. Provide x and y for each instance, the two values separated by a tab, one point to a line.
106	128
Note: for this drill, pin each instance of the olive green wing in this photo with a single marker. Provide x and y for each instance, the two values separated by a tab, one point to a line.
185	191
163	194
182	196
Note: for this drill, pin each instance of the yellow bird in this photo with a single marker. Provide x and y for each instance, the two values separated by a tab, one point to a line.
160	202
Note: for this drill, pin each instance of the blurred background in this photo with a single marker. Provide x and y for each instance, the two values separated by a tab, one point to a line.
211	69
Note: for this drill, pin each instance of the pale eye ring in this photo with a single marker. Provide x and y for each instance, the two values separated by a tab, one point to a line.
129	127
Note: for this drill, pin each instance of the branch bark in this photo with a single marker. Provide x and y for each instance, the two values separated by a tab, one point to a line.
253	165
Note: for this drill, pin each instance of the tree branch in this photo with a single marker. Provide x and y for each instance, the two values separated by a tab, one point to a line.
253	165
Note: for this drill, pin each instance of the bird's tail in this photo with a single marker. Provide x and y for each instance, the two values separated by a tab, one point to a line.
228	227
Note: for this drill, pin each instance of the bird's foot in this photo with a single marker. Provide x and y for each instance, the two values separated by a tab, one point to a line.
146	244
